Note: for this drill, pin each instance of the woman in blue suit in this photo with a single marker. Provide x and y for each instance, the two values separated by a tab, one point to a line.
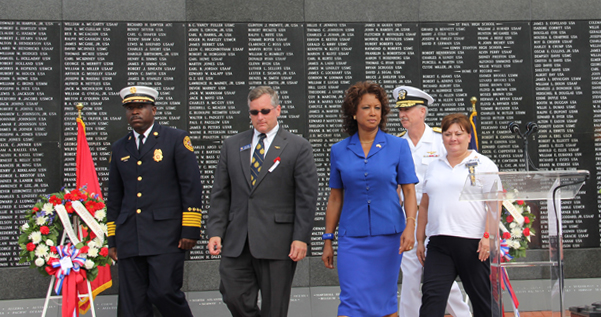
365	173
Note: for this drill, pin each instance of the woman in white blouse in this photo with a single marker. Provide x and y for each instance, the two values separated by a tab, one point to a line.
457	230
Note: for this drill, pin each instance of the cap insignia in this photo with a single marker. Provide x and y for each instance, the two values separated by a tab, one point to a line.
132	90
402	94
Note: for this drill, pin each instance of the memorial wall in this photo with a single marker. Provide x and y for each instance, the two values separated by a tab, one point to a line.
548	72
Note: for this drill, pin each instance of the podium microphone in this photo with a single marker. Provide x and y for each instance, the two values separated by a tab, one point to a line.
531	127
514	128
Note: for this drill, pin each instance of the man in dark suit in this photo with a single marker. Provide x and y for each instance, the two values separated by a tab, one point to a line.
262	210
153	209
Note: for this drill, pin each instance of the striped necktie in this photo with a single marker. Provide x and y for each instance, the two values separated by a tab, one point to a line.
257	161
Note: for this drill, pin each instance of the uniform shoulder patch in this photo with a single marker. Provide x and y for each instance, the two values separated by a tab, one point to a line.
188	144
402	133
437	130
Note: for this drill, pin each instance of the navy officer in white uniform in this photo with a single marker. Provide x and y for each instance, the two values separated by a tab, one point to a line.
426	146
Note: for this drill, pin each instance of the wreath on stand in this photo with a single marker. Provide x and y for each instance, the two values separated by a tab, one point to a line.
40	238
516	225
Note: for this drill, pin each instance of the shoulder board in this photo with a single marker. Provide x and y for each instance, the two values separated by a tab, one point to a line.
437	129
401	134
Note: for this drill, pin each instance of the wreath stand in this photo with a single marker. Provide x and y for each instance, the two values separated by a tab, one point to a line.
90	296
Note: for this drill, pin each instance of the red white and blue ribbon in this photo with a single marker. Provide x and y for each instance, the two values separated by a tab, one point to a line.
506	257
68	272
69	260
514	299
504	248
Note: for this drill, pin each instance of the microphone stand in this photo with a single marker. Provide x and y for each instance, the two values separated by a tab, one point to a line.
526	155
531	128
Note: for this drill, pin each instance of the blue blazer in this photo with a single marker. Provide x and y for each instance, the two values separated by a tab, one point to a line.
371	203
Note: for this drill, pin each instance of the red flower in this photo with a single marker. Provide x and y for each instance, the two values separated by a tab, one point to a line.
69	207
504	190
506	235
520	202
84	249
526	219
53	249
44	230
30	246
35	209
92	234
77	195
100	205
104	252
91	206
54	200
526	231
510	218
68	196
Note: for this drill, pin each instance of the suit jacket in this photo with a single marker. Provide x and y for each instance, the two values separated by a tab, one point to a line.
371	203
281	206
154	197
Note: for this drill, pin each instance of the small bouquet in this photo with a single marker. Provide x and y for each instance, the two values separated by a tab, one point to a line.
516	226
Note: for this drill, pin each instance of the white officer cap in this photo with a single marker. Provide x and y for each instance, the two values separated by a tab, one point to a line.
407	96
138	94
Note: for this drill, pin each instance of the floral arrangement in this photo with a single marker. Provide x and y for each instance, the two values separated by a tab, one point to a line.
516	227
40	235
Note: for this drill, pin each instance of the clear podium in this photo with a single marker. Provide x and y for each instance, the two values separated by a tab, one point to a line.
550	186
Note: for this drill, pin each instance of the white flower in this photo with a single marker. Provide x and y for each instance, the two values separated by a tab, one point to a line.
24	227
93	252
520	209
89	264
512	225
35	237
39	262
98	242
516	232
514	244
41	221
92	244
48	208
100	214
104	228
49	242
41	250
528	209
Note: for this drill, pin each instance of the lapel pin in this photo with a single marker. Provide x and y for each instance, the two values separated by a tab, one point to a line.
378	145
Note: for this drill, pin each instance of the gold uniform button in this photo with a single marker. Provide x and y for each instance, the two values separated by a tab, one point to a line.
139	162
139	194
189	208
139	178
138	210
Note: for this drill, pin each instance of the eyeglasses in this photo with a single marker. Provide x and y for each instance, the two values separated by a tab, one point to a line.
262	111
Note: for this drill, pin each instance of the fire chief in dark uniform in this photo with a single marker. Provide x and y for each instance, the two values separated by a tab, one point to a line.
153	209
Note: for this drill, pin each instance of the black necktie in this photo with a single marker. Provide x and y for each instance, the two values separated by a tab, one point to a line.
257	161
140	143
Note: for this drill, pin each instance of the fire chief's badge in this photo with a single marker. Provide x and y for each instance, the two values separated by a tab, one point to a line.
158	155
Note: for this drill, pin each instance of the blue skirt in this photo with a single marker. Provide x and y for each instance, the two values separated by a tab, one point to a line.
368	270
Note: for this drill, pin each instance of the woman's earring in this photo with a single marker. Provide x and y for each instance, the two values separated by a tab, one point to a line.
354	117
